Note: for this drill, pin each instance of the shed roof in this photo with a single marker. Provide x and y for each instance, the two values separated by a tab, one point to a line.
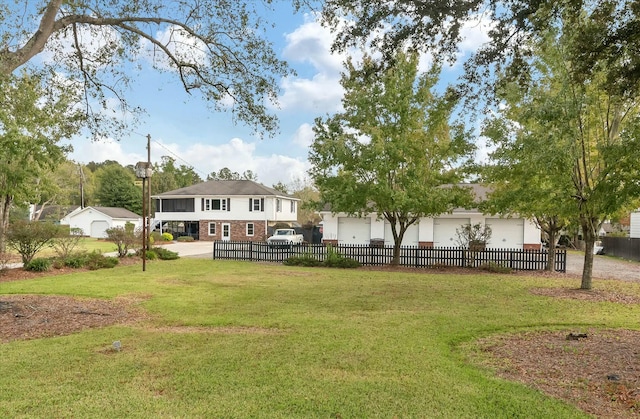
114	212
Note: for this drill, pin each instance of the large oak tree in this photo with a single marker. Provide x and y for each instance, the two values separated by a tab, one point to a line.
215	47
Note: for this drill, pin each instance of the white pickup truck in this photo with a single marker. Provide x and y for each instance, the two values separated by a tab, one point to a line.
285	237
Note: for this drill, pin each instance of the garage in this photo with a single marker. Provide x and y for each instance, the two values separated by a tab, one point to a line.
410	236
99	228
506	233
354	230
444	231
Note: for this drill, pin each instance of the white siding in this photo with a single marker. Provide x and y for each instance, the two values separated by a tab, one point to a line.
634	229
506	233
410	236
444	231
354	230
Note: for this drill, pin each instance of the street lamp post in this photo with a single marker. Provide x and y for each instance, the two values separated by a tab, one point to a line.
143	171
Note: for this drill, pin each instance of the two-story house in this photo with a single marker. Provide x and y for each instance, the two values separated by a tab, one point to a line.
224	210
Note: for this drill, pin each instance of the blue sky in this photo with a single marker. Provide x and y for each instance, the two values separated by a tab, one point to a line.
183	127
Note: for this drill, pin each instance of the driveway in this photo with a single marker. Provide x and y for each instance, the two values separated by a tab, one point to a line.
196	249
604	267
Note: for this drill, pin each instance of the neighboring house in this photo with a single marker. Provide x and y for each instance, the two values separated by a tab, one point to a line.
94	221
507	233
634	224
224	210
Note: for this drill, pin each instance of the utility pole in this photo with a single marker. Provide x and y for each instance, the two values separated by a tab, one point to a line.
149	191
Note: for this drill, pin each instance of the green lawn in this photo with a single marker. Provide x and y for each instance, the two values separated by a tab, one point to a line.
87	244
232	339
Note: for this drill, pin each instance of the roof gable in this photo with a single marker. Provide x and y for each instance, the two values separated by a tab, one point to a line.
112	212
225	188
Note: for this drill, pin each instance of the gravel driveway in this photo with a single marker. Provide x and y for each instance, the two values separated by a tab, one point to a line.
604	267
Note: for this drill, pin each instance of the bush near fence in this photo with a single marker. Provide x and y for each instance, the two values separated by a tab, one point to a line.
410	256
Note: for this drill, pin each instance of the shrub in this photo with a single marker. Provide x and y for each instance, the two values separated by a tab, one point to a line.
29	237
167	237
185	239
66	241
76	261
96	260
151	255
495	268
165	254
123	238
305	260
336	260
38	265
156	236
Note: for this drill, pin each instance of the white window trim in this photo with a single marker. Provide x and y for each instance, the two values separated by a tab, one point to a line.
212	224
253	228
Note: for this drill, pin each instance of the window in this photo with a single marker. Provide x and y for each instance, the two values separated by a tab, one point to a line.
176	205
249	229
278	205
216	204
256	204
212	229
293	207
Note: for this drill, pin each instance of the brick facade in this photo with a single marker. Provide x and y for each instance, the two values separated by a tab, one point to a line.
534	246
238	230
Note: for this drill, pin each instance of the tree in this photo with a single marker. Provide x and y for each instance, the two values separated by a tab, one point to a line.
33	120
575	141
216	48
392	150
226	174
608	33
29	237
116	188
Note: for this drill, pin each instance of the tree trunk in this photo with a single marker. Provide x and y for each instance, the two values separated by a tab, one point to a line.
587	270
5	205
551	260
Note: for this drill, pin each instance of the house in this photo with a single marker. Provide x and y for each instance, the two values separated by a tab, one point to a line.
94	221
240	210
507	232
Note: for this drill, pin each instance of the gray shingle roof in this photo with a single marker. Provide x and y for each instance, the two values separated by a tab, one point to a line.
117	212
225	188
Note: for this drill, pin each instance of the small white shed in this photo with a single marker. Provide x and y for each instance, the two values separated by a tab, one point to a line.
634	228
94	221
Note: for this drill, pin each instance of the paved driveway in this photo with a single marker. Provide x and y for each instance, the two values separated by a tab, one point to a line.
604	267
200	249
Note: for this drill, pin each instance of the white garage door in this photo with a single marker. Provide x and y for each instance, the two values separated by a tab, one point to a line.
410	236
444	231
506	233
98	229
354	230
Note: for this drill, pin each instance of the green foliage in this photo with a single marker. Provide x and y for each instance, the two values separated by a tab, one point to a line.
165	254
116	188
185	239
410	152
66	242
167	237
38	265
123	239
495	268
304	260
28	238
97	260
34	118
335	259
77	260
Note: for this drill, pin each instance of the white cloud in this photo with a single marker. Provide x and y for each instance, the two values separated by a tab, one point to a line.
236	154
304	135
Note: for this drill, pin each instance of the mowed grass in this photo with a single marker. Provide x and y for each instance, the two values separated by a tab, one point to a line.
86	244
232	339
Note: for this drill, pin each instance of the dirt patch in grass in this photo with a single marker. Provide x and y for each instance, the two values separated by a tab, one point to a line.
598	370
36	316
